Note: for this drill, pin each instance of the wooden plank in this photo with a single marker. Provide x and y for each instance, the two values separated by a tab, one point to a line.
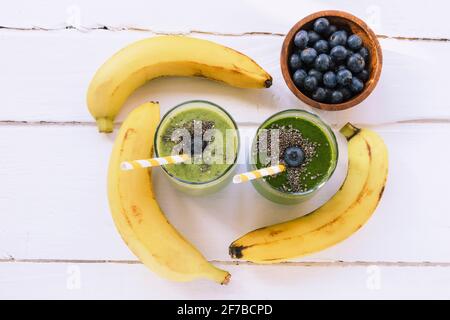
53	197
119	281
394	18
53	200
50	79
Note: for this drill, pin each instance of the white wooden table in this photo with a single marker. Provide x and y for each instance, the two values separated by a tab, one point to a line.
57	239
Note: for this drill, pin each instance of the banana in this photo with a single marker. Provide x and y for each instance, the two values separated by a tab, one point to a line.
135	210
154	57
345	213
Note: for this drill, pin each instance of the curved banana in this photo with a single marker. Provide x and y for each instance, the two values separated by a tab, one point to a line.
346	212
136	213
154	57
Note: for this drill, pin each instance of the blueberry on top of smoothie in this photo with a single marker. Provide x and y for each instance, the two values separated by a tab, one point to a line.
294	156
193	128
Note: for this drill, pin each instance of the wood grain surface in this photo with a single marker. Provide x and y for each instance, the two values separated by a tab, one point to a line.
57	239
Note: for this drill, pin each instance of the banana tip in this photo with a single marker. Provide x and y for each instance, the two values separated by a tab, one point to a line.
226	280
236	251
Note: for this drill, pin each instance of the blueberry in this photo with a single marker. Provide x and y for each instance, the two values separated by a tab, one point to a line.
329	79
294	156
321	25
354	42
346	93
321	46
299	76
322	62
295	61
357	85
331	29
316	74
363	75
313	38
336	96
301	39
355	63
344	77
364	53
310	83
308	55
320	94
338	53
338	38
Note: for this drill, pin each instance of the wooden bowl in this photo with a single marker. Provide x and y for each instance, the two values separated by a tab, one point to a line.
341	20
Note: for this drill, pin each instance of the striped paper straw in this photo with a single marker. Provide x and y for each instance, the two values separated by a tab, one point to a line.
256	174
154	162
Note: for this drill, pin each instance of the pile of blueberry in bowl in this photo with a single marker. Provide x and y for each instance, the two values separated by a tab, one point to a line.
331	59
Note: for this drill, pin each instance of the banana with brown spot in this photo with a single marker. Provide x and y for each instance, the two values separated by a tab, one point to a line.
345	213
136	213
160	56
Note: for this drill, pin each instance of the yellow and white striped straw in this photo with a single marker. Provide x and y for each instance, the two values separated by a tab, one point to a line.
154	162
256	174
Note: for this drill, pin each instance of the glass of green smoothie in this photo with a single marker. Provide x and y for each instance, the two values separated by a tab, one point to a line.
304	144
209	135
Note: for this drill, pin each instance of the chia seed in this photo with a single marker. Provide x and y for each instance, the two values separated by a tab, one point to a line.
190	127
295	176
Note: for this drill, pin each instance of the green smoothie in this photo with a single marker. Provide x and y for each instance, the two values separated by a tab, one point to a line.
208	134
301	132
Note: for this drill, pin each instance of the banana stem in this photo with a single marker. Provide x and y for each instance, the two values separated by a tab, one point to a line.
105	125
349	131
